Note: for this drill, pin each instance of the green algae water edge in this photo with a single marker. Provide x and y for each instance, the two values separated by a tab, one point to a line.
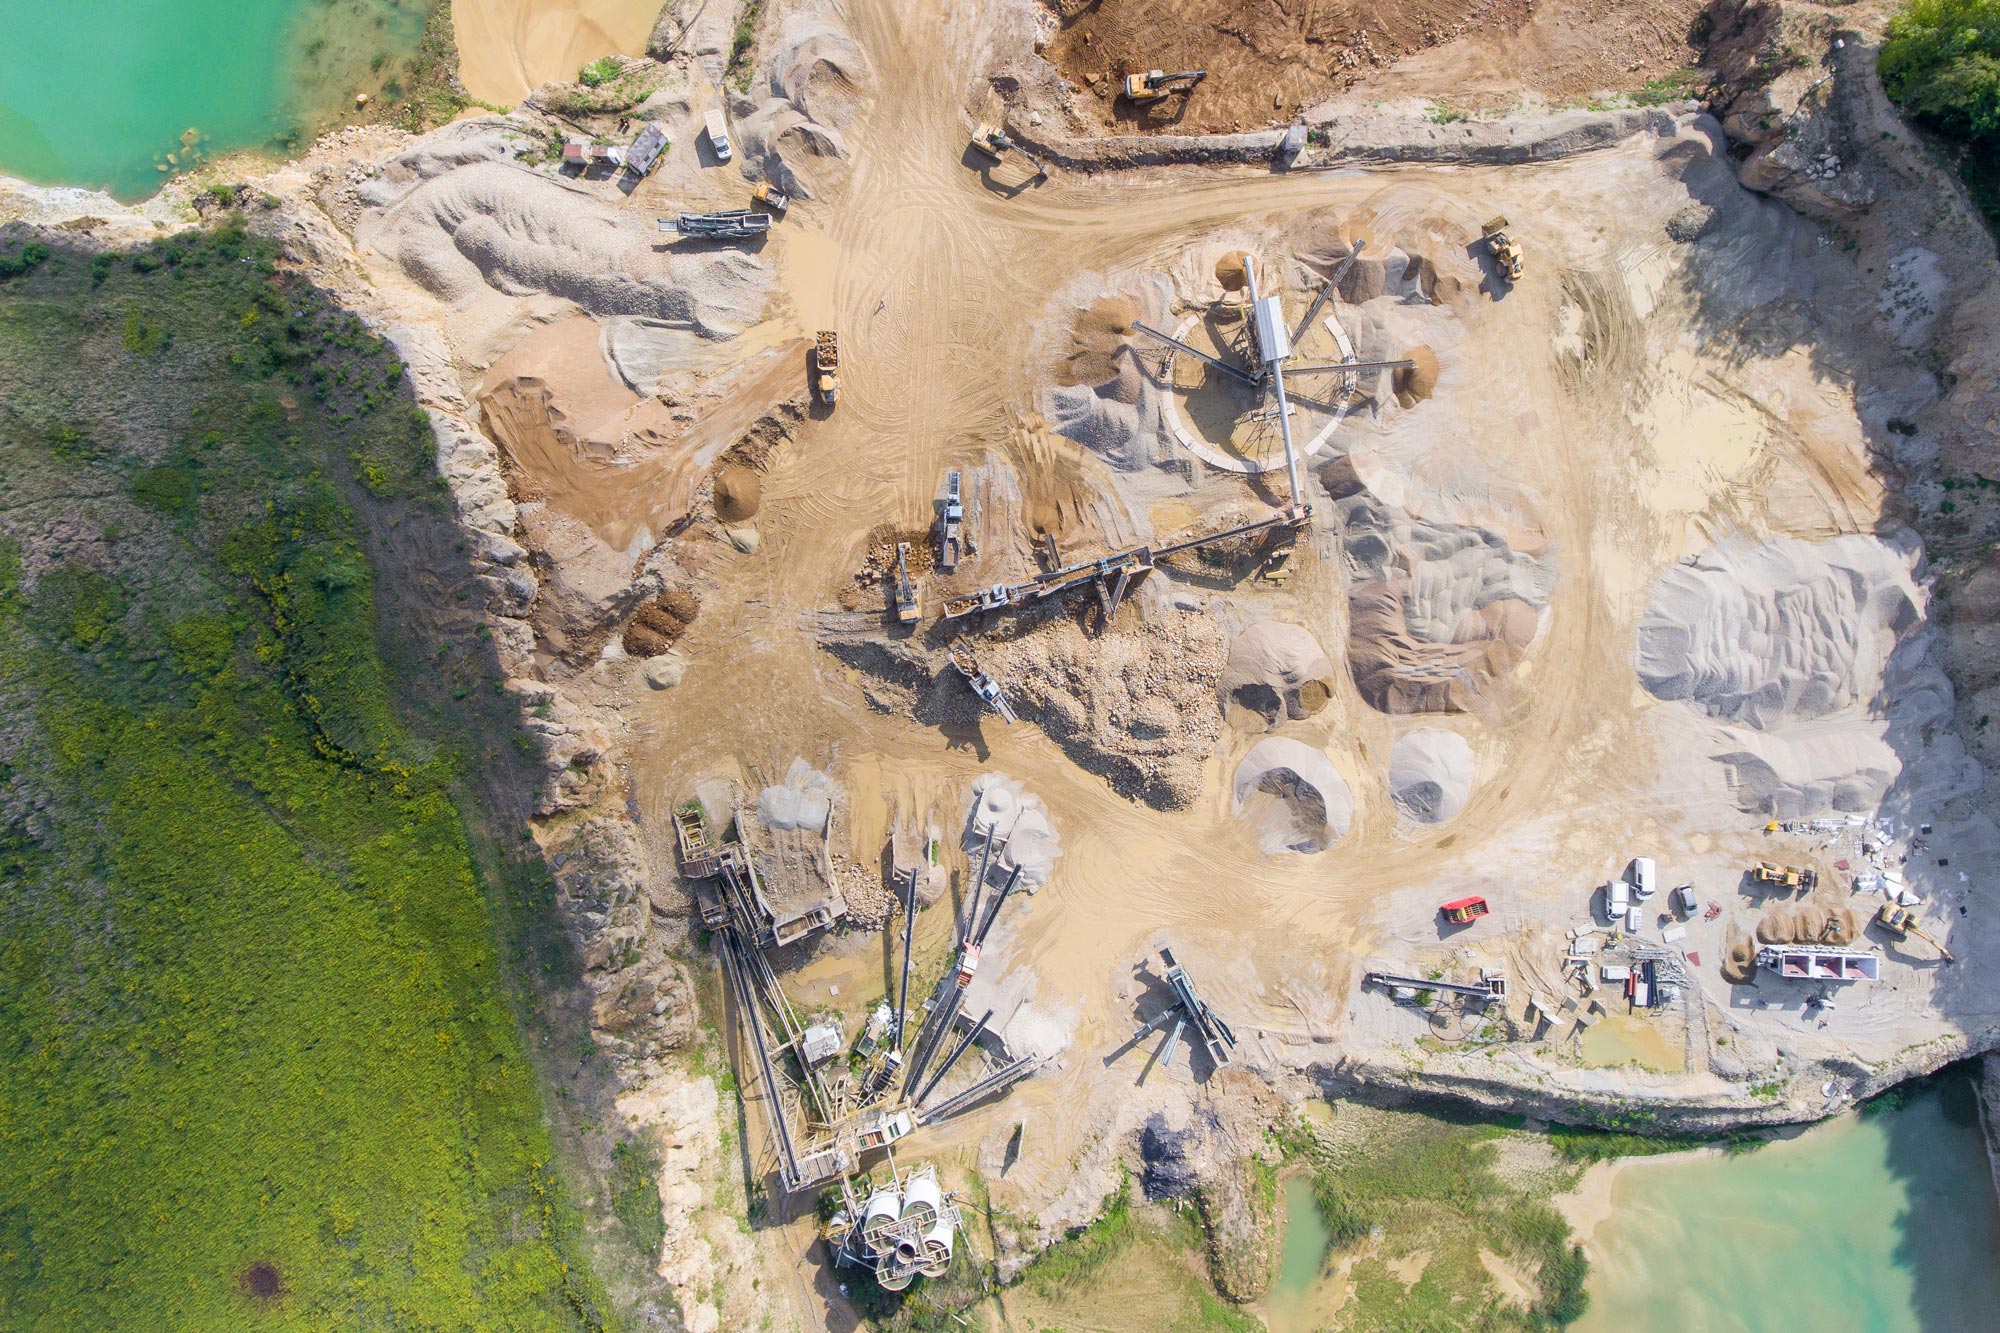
1883	1223
101	94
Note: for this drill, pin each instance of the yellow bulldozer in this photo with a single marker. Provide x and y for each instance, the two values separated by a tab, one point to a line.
1785	877
1155	84
1901	922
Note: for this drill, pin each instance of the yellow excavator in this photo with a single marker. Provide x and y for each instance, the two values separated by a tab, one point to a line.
1901	922
1155	84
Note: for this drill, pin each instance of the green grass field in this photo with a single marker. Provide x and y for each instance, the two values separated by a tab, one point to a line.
258	1066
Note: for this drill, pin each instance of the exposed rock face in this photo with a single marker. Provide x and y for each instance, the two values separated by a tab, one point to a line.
1780	81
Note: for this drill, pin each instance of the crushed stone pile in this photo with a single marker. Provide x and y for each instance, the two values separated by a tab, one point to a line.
1430	774
1002	807
739	493
804	800
1291	794
1278	672
1782	630
1135	704
1438	613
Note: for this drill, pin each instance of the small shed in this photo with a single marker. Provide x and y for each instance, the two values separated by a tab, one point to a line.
645	152
821	1042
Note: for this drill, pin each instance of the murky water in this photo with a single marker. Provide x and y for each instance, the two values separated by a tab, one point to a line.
1871	1224
1885	1223
1302	1296
117	94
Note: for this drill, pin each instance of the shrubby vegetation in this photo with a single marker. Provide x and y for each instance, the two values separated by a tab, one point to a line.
257	1062
1940	61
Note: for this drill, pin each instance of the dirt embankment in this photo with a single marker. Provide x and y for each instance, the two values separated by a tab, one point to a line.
1267	63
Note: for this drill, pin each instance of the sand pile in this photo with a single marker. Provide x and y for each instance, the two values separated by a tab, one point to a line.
817	78
1782	630
1098	354
1438	612
739	493
1277	671
1001	807
1811	662
1417	382
489	232
1233	270
1292	795
1809	923
1135	704
1430	774
657	625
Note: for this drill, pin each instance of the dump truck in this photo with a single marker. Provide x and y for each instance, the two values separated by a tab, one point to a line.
1785	877
1506	254
1464	911
826	365
718	134
1901	922
769	196
1155	84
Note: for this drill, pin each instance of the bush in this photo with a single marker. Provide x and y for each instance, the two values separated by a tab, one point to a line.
599	72
1941	63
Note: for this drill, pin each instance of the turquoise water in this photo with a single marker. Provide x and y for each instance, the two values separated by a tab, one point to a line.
1878	1224
100	93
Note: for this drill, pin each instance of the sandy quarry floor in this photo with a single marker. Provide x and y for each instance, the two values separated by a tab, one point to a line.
1623	576
509	48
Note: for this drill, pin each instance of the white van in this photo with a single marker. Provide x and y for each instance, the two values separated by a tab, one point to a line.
1635	919
718	134
1617	897
1642	877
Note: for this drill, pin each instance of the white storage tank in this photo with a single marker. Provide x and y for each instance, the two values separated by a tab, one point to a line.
921	1197
892	1273
881	1212
937	1248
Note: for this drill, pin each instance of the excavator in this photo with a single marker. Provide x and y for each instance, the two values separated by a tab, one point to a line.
1901	922
1155	84
994	143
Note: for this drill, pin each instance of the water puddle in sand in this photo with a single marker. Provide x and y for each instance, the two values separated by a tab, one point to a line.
1703	436
1884	1222
1625	1039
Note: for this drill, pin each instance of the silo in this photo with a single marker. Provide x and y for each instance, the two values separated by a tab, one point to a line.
893	1273
937	1248
921	1197
881	1212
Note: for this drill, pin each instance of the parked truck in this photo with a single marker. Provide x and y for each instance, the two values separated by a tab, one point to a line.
718	134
